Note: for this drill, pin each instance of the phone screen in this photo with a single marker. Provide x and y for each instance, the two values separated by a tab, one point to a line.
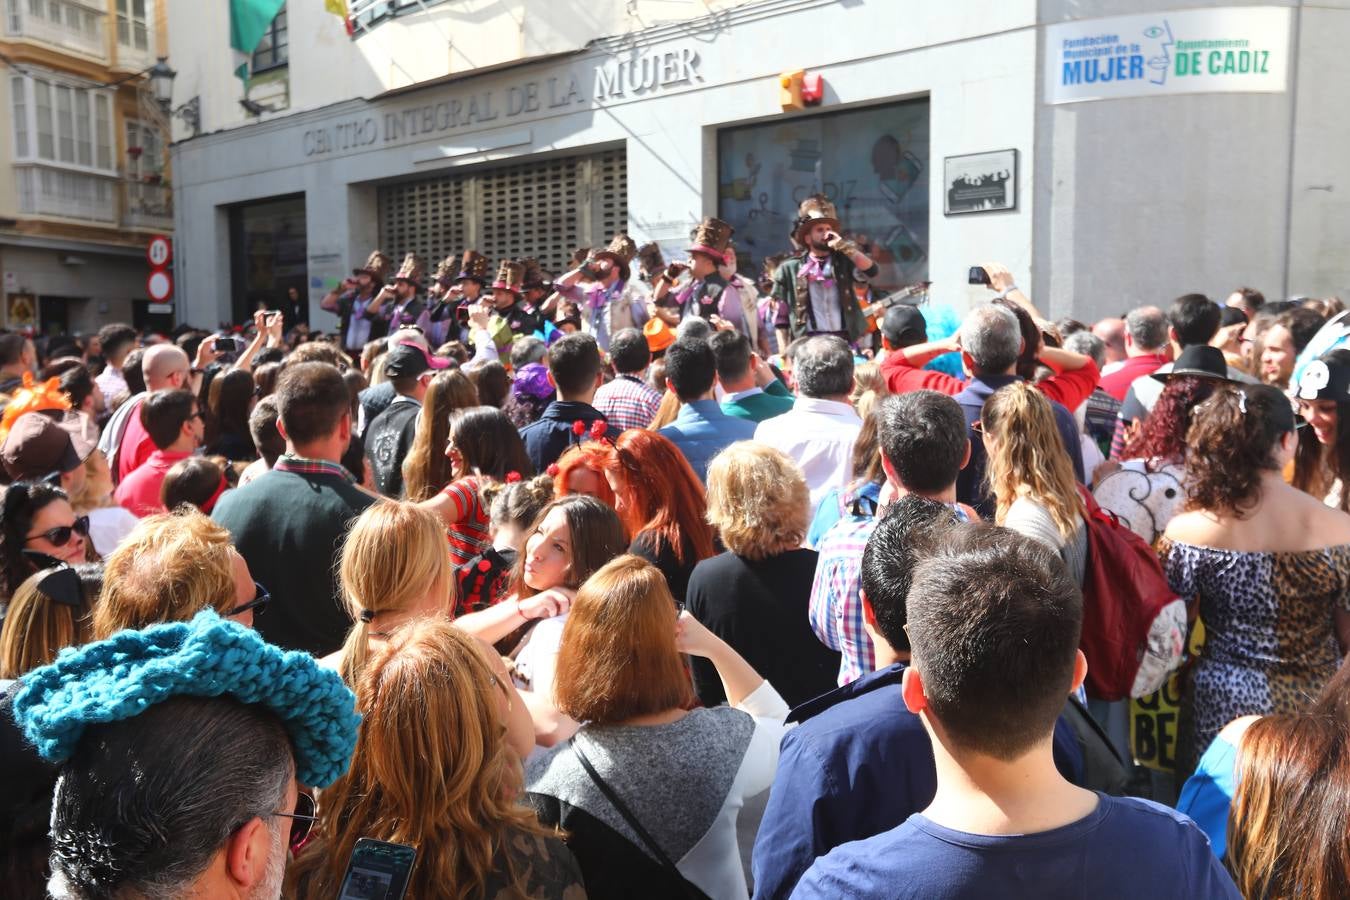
378	870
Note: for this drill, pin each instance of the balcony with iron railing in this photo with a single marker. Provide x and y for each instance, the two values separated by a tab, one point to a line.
147	204
70	25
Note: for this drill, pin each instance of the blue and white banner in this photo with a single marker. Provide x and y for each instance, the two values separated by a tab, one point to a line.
1229	50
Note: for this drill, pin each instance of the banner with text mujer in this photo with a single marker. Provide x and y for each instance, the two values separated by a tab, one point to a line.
1229	50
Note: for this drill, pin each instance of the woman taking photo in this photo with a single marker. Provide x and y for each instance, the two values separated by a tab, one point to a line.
37	524
1030	473
432	769
644	745
483	448
426	470
662	505
1265	565
757	595
1322	461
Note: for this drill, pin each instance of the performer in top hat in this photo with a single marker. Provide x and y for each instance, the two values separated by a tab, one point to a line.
458	295
538	283
351	302
707	293
613	299
408	308
510	314
650	262
815	287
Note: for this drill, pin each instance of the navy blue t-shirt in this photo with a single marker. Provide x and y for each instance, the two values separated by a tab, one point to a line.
1126	848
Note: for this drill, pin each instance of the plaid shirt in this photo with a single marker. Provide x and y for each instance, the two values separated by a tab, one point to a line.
836	611
303	466
627	402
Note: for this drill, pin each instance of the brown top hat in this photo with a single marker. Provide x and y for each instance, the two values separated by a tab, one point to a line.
621	251
711	237
813	210
579	256
535	276
445	271
412	270
378	266
510	277
474	266
650	259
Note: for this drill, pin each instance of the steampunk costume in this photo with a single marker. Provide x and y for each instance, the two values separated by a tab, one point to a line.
711	295
815	292
355	327
609	308
519	317
412	311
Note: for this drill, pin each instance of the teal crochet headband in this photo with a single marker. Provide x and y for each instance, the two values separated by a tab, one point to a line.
117	678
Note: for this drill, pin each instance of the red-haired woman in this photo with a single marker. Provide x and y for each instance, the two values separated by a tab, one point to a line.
581	470
662	504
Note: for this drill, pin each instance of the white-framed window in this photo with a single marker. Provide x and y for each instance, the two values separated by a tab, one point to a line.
274	50
61	123
133	23
148	159
20	97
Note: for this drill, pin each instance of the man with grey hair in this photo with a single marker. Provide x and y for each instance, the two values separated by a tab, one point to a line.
991	341
1097	414
1145	350
821	428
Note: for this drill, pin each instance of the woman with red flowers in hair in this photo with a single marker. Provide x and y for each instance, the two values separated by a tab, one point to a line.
662	505
483	448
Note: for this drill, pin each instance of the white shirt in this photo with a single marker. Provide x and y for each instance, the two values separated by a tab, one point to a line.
111	383
819	435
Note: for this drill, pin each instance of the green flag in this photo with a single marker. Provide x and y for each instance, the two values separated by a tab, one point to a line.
249	21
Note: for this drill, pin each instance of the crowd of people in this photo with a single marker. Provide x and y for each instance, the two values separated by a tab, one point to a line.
583	585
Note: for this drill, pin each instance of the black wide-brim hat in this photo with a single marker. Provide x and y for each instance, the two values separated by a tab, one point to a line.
1200	360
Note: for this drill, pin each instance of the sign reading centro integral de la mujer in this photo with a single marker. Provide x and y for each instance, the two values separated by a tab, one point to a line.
1229	50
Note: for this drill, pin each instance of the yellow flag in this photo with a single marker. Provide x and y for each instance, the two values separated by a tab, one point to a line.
336	7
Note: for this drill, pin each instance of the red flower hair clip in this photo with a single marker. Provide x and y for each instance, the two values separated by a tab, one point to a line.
552	470
579	428
599	428
512	477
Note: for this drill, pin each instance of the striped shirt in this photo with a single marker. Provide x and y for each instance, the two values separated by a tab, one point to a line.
627	402
468	535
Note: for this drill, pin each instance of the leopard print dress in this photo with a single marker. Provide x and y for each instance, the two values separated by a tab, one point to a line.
1270	639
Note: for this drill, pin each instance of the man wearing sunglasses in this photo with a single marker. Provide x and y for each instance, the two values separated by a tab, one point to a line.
183	759
174	422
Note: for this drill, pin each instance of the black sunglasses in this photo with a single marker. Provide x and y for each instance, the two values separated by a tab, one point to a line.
260	599
60	535
302	820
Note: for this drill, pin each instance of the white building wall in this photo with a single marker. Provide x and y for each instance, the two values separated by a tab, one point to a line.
977	63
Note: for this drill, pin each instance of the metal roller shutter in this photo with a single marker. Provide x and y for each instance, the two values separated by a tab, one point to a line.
544	209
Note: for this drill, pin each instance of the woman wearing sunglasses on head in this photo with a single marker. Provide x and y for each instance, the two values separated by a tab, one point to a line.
34	516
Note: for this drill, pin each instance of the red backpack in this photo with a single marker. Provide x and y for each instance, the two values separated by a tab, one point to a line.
1134	625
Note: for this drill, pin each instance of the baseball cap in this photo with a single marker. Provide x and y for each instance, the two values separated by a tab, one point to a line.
904	325
408	360
38	445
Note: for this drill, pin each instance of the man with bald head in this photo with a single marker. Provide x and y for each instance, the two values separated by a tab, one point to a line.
1112	333
165	367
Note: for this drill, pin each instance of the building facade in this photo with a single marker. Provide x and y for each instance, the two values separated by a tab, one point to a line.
84	178
947	135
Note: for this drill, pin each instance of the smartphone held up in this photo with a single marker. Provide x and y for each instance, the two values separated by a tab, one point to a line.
378	870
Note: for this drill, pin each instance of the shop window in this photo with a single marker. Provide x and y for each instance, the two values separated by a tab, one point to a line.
267	254
873	163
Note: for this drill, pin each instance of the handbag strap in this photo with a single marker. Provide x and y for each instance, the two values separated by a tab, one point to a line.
652	846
